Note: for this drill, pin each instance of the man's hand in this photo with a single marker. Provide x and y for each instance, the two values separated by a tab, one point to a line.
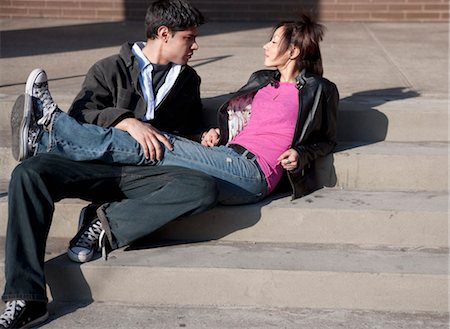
148	136
211	137
289	159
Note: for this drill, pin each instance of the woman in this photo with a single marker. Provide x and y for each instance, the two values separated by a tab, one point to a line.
282	119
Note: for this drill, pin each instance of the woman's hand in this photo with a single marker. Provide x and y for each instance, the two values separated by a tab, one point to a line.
148	136
211	137
289	159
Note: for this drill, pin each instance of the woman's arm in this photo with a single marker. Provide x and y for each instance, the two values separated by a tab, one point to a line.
323	140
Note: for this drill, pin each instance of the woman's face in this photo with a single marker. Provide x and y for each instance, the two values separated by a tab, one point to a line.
273	56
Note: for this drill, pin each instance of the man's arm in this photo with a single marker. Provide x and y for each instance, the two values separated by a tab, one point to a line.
148	136
101	100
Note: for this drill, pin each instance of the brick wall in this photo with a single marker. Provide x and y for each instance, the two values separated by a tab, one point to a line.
270	10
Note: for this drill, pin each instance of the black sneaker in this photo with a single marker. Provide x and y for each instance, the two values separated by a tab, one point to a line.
87	214
90	237
22	314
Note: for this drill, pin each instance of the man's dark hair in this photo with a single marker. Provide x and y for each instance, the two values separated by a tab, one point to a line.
177	15
305	34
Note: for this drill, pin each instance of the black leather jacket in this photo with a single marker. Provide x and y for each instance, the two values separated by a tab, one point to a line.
315	132
111	92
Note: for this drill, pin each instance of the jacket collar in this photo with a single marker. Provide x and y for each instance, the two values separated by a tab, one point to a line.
300	79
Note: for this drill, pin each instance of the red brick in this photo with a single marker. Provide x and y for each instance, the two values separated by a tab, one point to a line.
387	16
437	7
337	7
95	5
354	1
422	16
28	4
62	4
351	16
45	12
371	7
14	11
406	7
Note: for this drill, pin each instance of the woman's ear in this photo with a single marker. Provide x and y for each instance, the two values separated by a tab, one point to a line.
294	53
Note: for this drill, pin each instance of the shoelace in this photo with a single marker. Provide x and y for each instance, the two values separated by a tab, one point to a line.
48	105
12	308
91	236
102	245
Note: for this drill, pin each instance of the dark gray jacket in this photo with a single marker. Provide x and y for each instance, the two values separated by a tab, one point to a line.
111	92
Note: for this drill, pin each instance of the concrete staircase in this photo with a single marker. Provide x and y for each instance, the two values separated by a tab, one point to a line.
376	243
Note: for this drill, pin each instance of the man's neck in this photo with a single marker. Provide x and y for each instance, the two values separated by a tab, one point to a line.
154	52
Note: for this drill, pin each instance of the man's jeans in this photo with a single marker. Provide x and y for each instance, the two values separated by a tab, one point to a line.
136	201
239	179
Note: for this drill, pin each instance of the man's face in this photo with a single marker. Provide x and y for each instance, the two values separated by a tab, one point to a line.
181	45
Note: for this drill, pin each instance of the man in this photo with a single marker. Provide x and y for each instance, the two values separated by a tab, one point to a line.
146	88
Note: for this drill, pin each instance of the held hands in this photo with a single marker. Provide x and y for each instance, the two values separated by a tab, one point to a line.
211	137
148	136
289	159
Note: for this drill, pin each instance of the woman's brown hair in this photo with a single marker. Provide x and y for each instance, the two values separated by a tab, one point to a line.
305	34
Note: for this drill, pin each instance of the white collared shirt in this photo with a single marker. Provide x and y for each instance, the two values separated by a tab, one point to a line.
145	80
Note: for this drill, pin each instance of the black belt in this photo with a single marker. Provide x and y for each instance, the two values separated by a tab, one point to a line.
249	155
242	151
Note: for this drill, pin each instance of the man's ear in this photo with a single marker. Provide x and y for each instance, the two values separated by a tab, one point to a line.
163	33
294	53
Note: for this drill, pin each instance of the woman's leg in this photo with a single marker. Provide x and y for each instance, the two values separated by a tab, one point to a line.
77	141
239	178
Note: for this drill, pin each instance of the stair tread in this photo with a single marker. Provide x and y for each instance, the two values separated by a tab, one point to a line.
118	315
329	215
247	274
263	256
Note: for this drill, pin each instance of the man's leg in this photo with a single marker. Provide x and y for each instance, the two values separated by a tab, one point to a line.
154	197
34	187
151	196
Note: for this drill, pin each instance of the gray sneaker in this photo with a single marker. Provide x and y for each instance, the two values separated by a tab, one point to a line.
43	104
24	128
31	112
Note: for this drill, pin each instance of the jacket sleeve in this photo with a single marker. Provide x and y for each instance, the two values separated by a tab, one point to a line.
98	102
322	138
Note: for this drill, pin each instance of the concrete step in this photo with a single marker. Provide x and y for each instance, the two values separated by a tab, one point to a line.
367	119
373	119
380	166
258	275
391	166
120	315
328	216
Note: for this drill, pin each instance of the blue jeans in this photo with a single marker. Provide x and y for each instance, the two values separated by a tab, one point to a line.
239	179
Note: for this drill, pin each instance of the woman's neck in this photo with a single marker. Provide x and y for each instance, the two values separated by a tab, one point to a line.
288	78
288	73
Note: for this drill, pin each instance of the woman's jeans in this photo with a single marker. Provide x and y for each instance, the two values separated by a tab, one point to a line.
239	179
